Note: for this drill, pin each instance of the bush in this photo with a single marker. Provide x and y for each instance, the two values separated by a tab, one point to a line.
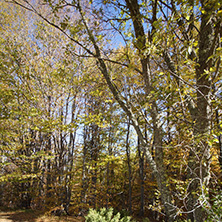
215	213
105	215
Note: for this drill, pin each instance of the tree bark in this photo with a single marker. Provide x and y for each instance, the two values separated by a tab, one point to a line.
199	165
129	168
219	140
141	172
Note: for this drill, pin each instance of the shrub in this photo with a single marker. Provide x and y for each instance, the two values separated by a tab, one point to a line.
215	213
105	215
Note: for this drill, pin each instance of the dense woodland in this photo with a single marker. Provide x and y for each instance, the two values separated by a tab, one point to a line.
112	104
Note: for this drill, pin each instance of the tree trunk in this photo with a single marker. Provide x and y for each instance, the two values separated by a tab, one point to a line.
219	140
161	177
199	165
129	168
141	172
157	168
84	168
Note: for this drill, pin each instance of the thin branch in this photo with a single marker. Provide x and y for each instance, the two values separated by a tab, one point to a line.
32	9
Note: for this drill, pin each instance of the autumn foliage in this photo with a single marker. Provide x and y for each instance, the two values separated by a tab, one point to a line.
111	105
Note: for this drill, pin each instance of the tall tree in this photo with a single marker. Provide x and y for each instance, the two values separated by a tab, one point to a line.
170	61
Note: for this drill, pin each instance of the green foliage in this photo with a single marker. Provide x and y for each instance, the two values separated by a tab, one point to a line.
181	220
215	213
146	219
63	133
105	215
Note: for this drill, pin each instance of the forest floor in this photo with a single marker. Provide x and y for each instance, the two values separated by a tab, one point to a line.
34	216
7	215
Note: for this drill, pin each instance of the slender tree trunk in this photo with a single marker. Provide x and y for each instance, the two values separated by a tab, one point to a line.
94	146
110	171
129	168
141	172
70	162
84	168
161	177
219	140
48	162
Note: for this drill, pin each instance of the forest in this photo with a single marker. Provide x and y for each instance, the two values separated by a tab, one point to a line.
112	104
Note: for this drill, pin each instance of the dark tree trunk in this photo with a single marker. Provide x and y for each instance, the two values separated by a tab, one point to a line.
199	164
129	168
219	140
141	173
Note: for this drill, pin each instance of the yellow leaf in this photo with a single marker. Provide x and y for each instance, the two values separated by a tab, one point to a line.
219	13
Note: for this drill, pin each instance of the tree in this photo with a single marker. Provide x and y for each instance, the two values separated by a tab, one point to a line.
172	53
37	84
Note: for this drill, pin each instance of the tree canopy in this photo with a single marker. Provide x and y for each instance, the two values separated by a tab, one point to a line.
112	104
